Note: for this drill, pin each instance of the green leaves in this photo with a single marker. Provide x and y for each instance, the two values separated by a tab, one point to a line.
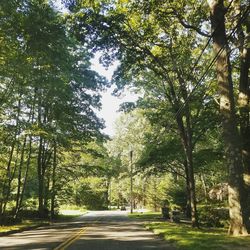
48	97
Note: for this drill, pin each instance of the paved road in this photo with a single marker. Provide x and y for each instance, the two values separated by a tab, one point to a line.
105	230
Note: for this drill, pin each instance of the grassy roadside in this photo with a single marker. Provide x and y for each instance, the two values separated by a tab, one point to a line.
71	211
64	215
25	224
185	237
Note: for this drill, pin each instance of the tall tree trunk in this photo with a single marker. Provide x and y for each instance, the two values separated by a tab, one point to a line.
244	93
46	156
245	108
236	196
53	185
40	179
25	179
7	182
191	183
186	138
155	191
185	132
31	120
19	178
46	193
244	90
184	122
10	179
188	205
204	186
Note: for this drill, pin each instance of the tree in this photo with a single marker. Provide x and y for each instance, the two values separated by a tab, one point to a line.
239	223
136	34
45	71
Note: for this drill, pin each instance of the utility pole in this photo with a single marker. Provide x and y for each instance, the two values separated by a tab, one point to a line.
131	182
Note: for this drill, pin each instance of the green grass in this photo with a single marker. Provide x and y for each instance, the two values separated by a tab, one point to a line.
146	215
72	207
70	212
28	223
185	237
23	225
64	215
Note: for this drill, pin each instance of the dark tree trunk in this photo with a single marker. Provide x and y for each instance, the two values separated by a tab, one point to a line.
243	33
10	174
236	196
186	135
184	122
244	101
7	182
40	179
191	183
188	205
19	179
20	200
244	93
204	187
53	187
187	145
244	104
25	179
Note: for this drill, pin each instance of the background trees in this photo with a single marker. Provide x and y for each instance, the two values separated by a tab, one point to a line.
189	61
48	96
165	49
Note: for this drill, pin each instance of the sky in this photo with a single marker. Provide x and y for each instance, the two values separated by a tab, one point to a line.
110	103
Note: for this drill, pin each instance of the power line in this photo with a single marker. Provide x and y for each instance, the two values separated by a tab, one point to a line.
203	50
212	63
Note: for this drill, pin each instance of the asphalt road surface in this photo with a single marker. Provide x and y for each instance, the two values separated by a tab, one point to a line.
102	230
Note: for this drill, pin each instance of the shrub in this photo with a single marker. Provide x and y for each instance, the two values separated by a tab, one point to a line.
213	216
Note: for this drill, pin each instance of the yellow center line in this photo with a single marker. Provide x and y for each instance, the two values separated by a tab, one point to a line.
71	239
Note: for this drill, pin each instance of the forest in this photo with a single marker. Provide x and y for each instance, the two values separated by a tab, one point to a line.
184	143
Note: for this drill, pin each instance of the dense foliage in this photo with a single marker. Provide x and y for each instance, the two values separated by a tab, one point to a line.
185	142
48	97
190	59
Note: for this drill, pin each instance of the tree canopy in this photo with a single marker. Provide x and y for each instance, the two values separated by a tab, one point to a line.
189	131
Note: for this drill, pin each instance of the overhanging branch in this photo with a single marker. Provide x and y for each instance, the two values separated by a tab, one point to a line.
189	26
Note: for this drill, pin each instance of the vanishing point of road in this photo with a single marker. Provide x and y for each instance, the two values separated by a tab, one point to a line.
103	230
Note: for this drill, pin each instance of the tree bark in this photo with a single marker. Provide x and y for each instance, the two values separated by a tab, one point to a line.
184	122
186	138
53	185
19	178
25	179
243	33
22	191
204	187
9	177
244	90
40	179
188	205
236	196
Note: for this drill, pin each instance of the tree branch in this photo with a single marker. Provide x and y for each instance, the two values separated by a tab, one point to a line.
189	26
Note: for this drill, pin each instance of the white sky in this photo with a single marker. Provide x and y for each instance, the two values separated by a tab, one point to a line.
110	103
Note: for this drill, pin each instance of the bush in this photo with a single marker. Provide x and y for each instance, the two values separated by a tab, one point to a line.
213	216
31	204
10	220
29	213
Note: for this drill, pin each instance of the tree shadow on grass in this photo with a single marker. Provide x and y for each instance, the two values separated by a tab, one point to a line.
188	238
